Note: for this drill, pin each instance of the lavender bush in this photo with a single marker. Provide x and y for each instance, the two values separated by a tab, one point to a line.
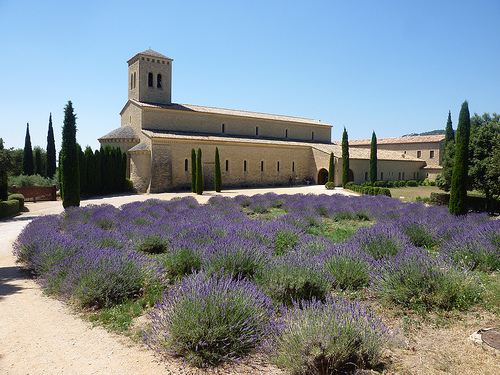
381	240
417	279
207	320
325	338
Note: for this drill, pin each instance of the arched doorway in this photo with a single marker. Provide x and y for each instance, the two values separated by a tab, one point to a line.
322	176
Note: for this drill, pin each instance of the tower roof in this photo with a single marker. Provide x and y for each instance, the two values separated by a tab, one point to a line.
151	53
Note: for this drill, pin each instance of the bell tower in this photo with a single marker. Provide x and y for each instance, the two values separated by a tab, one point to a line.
150	78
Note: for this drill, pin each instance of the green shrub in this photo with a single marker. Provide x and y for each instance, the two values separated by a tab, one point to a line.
330	185
18	197
32	180
379	184
9	208
411	183
349	185
385	191
390	184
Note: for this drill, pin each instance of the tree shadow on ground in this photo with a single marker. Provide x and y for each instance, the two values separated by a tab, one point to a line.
8	278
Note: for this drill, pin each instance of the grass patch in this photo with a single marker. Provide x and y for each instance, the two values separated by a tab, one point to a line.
338	231
410	194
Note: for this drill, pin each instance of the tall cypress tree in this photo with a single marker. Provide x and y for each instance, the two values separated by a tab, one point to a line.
449	133
70	171
199	173
218	176
373	159
331	169
51	150
345	159
458	195
193	170
38	161
28	165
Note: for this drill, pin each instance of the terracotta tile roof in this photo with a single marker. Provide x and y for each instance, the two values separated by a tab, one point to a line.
397	140
228	112
123	132
363	153
323	147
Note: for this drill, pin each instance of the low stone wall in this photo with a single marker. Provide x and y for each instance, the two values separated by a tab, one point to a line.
36	193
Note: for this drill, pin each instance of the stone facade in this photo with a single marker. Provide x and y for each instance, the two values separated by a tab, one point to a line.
255	149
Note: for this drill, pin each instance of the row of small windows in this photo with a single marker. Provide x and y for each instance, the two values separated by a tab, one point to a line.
223	130
158	61
245	166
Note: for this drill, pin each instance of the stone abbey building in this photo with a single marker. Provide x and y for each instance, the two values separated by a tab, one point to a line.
255	149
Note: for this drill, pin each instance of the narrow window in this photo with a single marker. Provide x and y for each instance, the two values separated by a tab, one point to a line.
419	154
286	133
293	166
223	128
381	176
278	166
131	81
150	79
262	166
158	81
227	165
403	176
366	176
431	154
134	80
256	130
312	136
244	165
399	175
414	174
186	165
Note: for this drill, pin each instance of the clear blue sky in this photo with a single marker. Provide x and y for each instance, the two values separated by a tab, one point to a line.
394	67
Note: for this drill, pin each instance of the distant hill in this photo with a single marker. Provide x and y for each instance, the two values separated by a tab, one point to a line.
432	132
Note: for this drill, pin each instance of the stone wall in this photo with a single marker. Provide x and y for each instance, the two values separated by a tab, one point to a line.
197	122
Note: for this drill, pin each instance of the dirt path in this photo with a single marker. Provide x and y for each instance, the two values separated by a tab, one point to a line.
40	335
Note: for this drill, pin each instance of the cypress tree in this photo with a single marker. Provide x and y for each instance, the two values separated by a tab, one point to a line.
70	171
28	166
90	170
193	170
218	176
331	168
458	195
345	159
82	166
51	151
449	133
199	173
373	159
38	161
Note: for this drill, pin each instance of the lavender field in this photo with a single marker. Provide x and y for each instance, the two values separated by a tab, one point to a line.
283	274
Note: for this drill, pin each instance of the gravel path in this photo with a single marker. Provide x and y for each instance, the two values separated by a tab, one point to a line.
41	335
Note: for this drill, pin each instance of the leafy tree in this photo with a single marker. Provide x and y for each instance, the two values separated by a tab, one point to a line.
199	173
5	165
28	166
218	176
69	168
483	175
51	150
373	159
345	159
458	196
331	168
193	170
496	158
